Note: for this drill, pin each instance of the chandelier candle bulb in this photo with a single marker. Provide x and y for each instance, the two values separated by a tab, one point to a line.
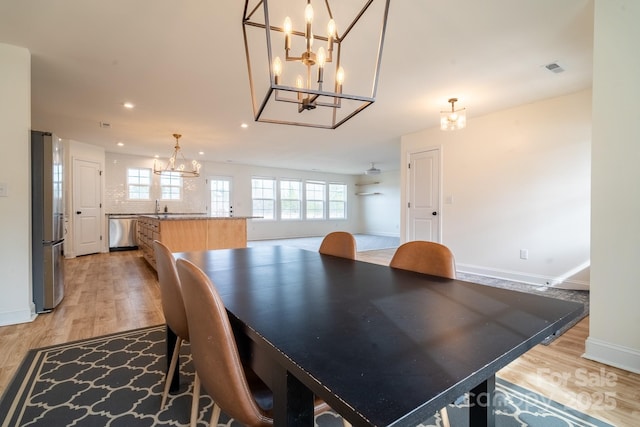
321	61
308	16
288	27
331	32
277	69
339	79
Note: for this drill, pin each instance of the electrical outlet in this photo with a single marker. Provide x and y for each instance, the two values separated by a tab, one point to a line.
524	254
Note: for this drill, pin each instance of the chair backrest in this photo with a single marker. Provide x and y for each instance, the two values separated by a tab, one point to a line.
214	350
170	291
339	243
425	257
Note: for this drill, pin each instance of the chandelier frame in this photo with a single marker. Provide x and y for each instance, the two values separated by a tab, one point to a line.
306	97
172	164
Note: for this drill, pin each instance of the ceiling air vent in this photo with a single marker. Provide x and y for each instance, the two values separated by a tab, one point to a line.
554	68
105	125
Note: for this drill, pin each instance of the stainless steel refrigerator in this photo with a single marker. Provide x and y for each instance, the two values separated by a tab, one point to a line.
47	215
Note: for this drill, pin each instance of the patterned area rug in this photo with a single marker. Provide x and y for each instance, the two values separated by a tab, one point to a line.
116	380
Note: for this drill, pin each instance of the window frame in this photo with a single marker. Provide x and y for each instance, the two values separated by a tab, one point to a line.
171	186
332	201
273	199
138	184
308	200
282	200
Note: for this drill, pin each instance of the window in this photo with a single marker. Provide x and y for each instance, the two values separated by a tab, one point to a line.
138	183
170	185
263	195
315	200
337	201
220	196
290	199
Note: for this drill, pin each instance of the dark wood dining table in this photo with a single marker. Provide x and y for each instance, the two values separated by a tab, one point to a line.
382	346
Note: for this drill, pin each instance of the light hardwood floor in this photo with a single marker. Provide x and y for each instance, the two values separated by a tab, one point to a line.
113	292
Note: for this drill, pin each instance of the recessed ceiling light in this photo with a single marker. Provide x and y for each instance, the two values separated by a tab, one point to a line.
201	153
128	105
156	156
244	125
120	144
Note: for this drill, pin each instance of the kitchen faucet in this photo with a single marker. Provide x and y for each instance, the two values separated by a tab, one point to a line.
157	207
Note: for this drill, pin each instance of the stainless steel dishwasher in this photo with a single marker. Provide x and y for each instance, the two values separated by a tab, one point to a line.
122	232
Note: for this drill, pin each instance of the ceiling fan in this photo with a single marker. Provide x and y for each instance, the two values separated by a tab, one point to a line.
372	170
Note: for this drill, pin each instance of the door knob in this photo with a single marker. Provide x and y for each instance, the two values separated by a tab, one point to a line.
78	212
434	213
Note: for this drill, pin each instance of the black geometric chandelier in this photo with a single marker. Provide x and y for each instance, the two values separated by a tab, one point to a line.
312	63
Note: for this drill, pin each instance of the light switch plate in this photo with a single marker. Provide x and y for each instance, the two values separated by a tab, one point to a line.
3	189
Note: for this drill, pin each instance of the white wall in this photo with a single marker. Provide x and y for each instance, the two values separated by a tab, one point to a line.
195	197
518	179
16	303
380	213
615	285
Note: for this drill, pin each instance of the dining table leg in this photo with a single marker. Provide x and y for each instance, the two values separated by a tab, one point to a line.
171	339
481	404
293	402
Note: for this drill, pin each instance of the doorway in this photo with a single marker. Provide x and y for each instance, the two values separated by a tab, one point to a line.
221	197
87	207
423	201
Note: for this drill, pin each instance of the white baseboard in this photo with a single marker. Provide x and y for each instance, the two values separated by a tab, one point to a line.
379	233
532	279
612	354
15	317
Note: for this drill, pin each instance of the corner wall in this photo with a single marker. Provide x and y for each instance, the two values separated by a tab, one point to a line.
614	316
517	179
16	304
379	213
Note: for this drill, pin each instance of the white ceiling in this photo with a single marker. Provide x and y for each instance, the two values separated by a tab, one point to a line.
182	64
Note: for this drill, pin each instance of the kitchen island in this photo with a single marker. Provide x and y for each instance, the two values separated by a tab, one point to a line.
190	232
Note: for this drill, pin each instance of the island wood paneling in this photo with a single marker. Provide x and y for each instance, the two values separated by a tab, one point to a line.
230	233
190	234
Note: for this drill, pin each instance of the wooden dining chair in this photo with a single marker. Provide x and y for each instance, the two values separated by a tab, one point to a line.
425	257
339	243
172	306
234	388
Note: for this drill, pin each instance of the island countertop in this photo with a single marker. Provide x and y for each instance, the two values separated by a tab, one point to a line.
191	216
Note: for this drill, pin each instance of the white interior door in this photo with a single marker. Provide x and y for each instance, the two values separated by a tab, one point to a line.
423	207
87	207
